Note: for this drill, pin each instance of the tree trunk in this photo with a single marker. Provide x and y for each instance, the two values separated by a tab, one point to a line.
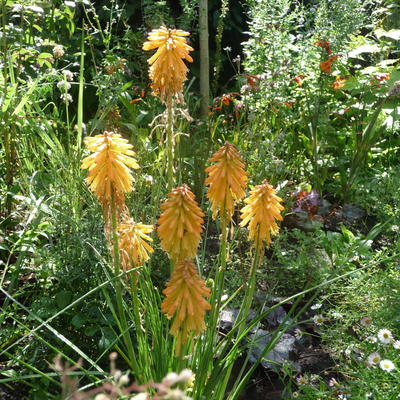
204	58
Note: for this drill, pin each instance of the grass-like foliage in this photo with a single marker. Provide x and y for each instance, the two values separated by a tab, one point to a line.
130	226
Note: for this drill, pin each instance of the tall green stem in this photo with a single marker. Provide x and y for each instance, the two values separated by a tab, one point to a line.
118	292
170	144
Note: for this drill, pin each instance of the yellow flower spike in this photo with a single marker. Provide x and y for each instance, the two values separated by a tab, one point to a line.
185	302
263	209
179	226
133	243
109	166
227	180
167	69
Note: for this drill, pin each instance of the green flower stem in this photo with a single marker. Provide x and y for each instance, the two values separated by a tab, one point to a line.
118	292
170	144
211	335
241	319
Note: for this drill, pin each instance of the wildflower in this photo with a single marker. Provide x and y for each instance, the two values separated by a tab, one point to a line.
337	315
396	344
167	69
132	242
58	51
299	79
316	306
64	85
302	380
371	339
333	382
227	180
66	98
366	321
387	365
263	209
339	83
385	336
374	359
318	319
326	66
325	45
109	166
179	226
185	302
298	333
69	76
227	49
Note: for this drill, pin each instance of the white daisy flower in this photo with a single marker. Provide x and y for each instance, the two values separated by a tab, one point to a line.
374	359
396	344
387	365
302	380
371	339
318	319
385	336
298	333
366	321
316	306
337	315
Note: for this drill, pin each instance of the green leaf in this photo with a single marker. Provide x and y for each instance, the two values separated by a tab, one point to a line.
366	48
63	298
78	320
392	34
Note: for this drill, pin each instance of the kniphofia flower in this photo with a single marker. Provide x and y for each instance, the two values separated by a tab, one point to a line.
179	226
167	69
227	180
262	211
133	243
108	166
185	302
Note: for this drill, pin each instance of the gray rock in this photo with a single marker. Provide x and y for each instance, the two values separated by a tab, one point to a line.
352	213
285	349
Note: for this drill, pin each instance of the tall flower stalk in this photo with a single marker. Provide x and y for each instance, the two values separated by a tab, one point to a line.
168	72
110	179
227	181
179	228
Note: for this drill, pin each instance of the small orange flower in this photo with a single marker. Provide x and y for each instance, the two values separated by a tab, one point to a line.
339	83
185	302
109	166
227	179
179	226
262	210
167	69
299	79
325	45
132	242
326	66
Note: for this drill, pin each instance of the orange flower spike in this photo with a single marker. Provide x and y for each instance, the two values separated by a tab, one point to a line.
227	180
109	166
133	243
167	69
179	226
262	211
185	302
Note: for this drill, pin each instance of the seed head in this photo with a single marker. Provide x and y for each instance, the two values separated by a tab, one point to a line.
227	180
179	226
262	211
167	69
185	302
